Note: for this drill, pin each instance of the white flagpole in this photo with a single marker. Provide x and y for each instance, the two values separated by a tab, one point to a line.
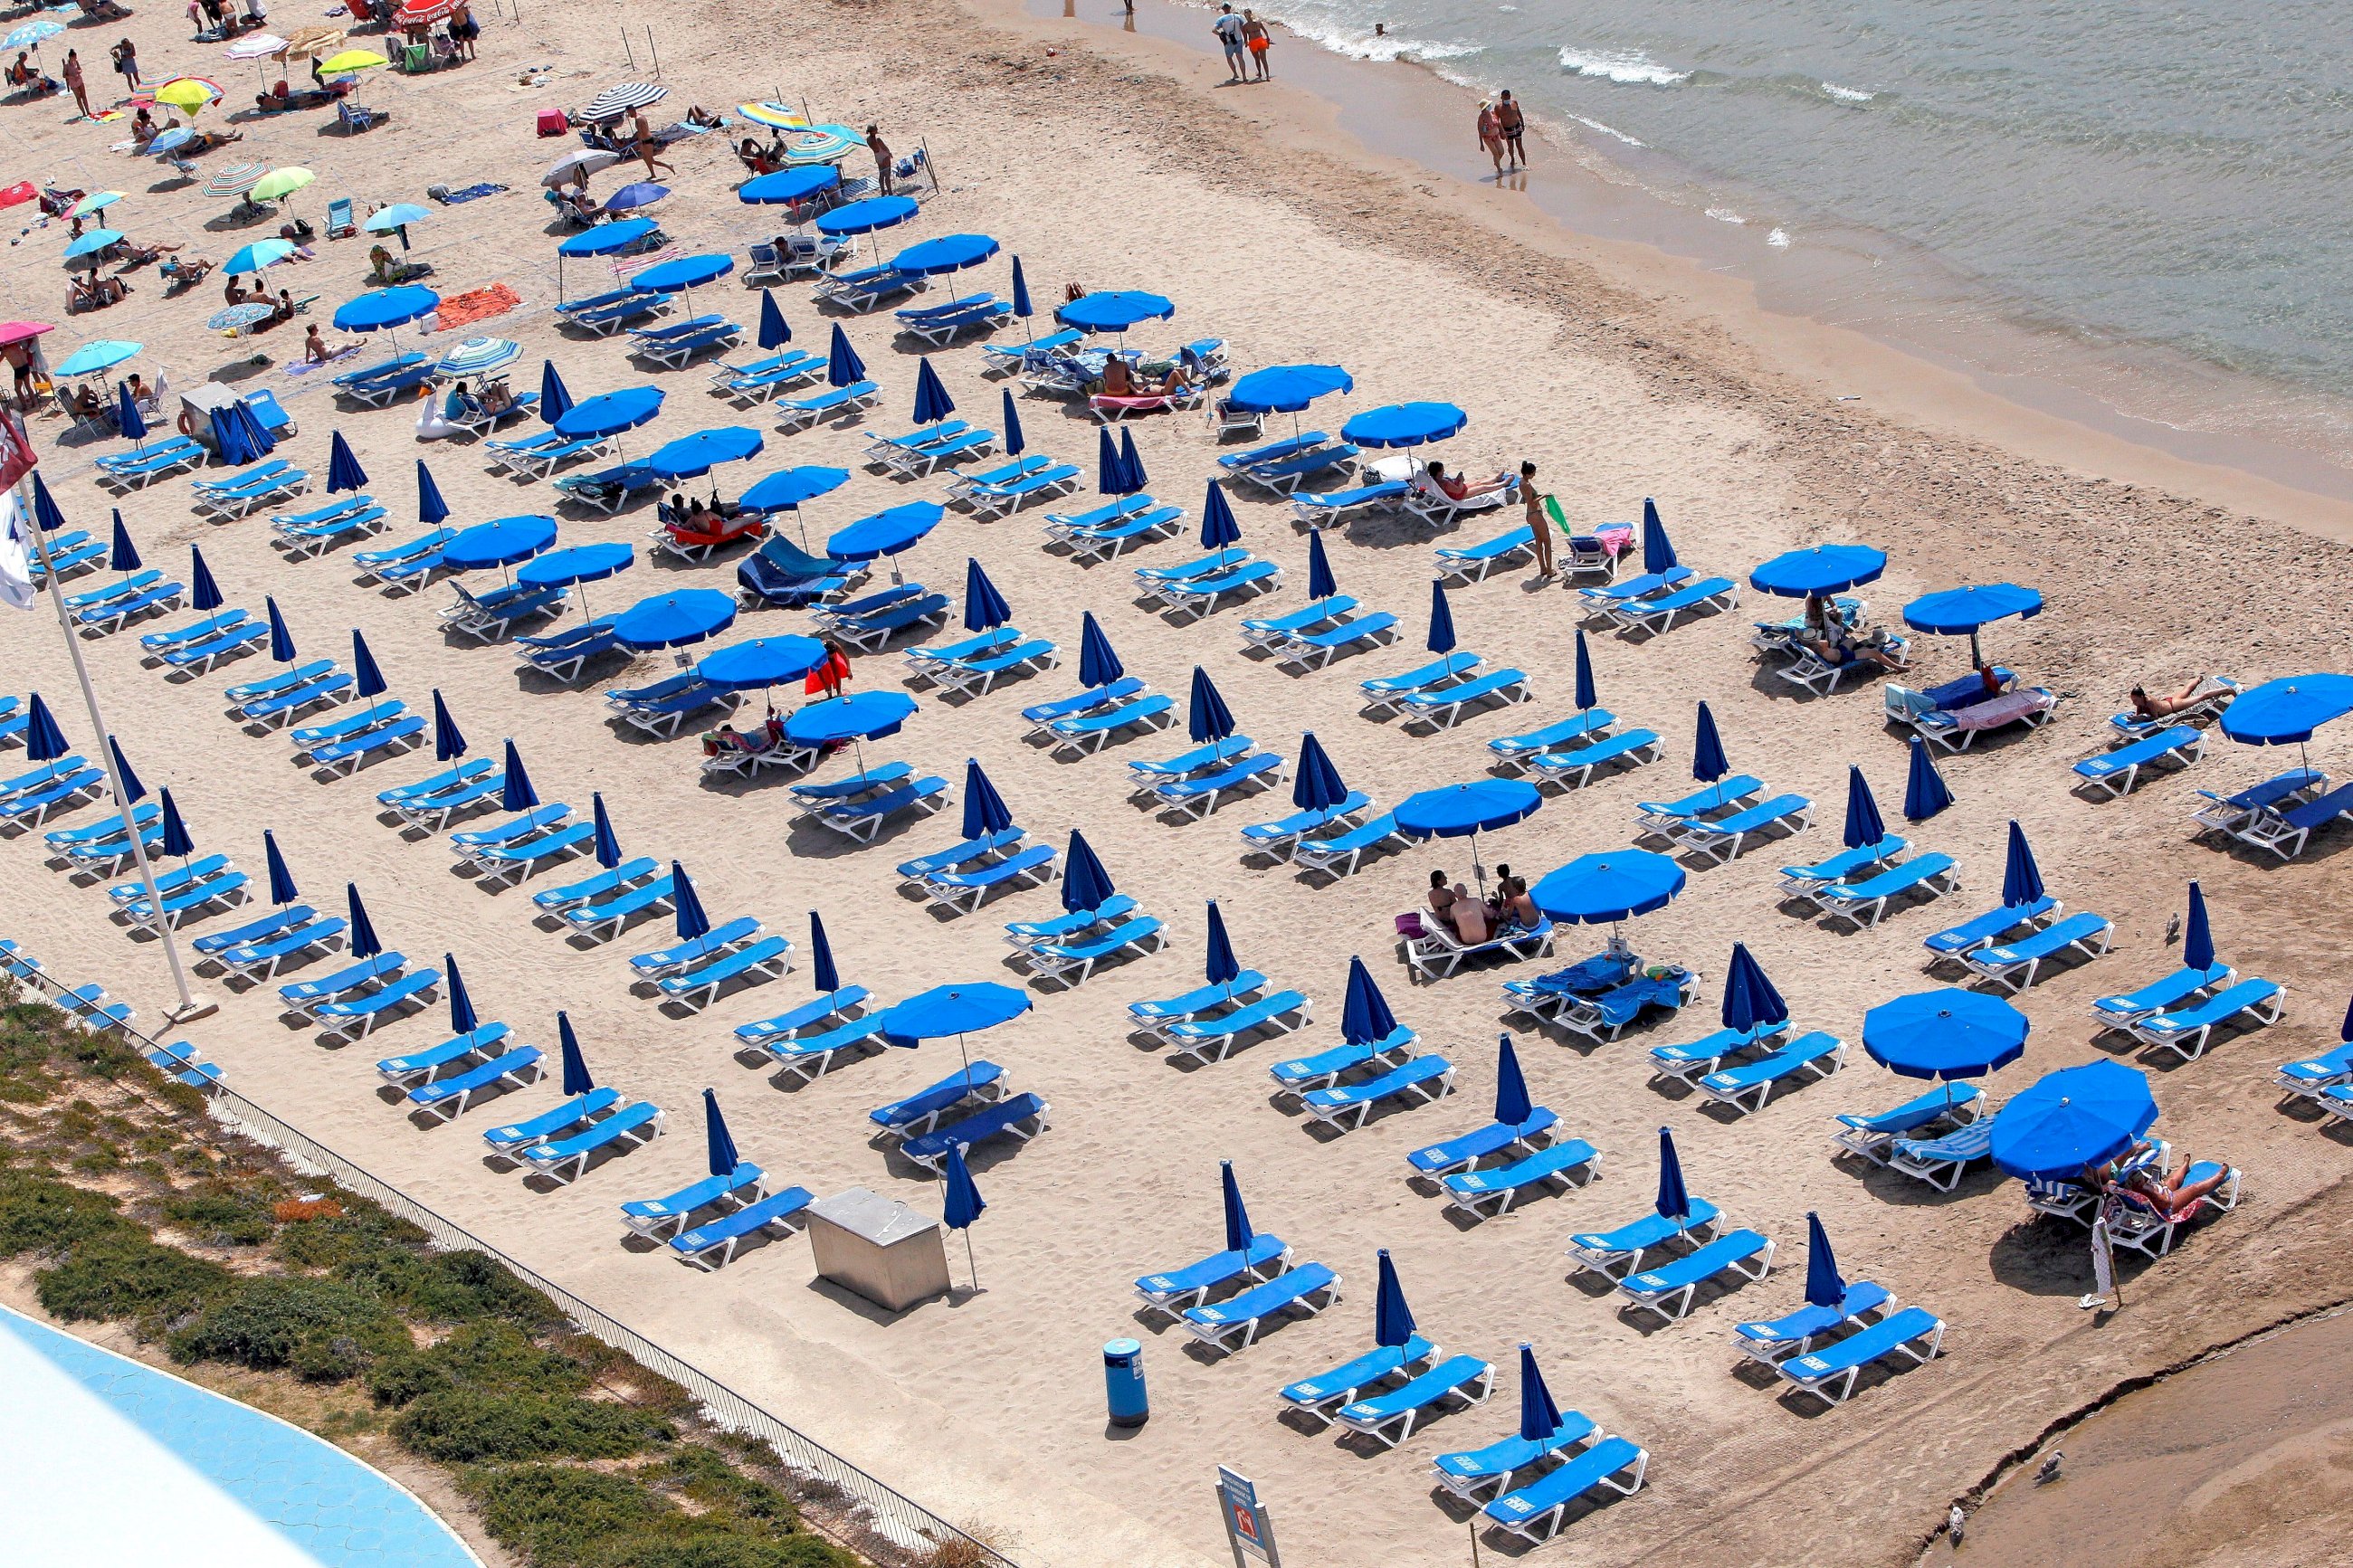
191	1004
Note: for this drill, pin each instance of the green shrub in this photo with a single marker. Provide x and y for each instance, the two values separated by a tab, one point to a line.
463	1426
706	1543
361	1232
493	1357
222	1219
550	1514
464	1287
395	1380
38	1213
705	1476
123	1276
269	1323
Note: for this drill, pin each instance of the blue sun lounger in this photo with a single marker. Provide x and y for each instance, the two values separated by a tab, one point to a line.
828	1009
1172	1290
213	892
85	1008
919	1112
1105	542
1341	855
1150	579
1319	1396
1388	1418
262	958
1198	596
1940	1161
1575	767
341	759
696	989
1091	732
1282	836
1864	903
1154	1017
1611	1253
660	1217
1071	964
463	774
1571	1163
1200	795
2113	773
1830	1374
565	654
1322	508
810	1057
2311	1075
1423	1079
1688	1063
1388	693
1985	929
1721	839
1606	1014
605	319
502	864
1284	475
1232	1325
68	559
1213	1038
1302	1075
304	995
1471	1471
2014	964
353	1018
684	955
2186	1031
376	715
1803	884
1873	1137
1315	650
661	708
1815	1055
1464	565
805	413
229	642
868	633
1445	707
469	843
514	1137
64	791
1603	598
565	1159
1216	754
1072	926
157	462
419	1064
721	1235
232	496
1669	1290
278	711
108	618
758	383
930	1148
1772	1339
2285	830
862	819
1662	817
1534	1513
275	923
1270	631
448	1098
965	892
2159	995
182	636
1460	1154
1654	616
961	857
436	812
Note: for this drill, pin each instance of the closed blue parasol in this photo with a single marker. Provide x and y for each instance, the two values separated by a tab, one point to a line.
1513	1106
675	619
281	641
2072	1119
462	1018
1113	310
1206	716
608	238
1587	698
2198	936
933	403
380	309
1318	786
555	397
1924	794
885	532
607	843
515	791
790	487
1131	461
363	943
1603	889
763	662
1749	998
2281	712
132	790
1539	1417
343	471
1658	550
949	253
1219	528
366	678
128	423
1948	1033
961	1203
1442	619
1016	442
1365	1015
1085	884
1219	961
44	741
204	593
1819	569
1863	823
1111	478
842	366
719	1144
1287	388
823	974
123	555
174	839
282	890
430	508
1021	306
501	541
863	716
984	606
610	412
683	272
873	214
1405	425
775	332
45	506
1674	1198
690	456
577	1080
985	811
1708	761
2021	879
1392	1319
1823	1286
1239	1235
1099	663
686	906
1321	584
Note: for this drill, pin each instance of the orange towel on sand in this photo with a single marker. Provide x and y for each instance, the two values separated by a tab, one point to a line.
476	305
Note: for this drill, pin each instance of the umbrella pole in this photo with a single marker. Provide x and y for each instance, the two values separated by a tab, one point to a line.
974	1263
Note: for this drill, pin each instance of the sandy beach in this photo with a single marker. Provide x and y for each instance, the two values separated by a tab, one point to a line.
1115	160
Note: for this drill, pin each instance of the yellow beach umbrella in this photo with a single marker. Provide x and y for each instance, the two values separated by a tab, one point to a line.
280	183
188	92
351	60
774	115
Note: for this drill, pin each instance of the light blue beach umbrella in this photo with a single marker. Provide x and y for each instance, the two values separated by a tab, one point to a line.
282	890
1749	998
1658	552
1219	961
104	354
1219	528
774	331
1924	794
1321	584
1365	1015
1823	1286
607	843
718	1144
515	791
1442	619
1206	716
985	811
1587	698
823	974
462	1018
89	244
248	260
1392	1319
343	471
1099	663
933	403
984	606
1239	1235
1863	823
1318	786
1085	884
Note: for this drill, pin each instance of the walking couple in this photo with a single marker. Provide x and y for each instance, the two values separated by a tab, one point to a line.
1244	38
1500	126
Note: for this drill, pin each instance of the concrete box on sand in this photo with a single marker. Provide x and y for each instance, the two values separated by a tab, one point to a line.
891	1255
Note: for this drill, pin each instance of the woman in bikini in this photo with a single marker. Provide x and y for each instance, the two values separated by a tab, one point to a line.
1491	133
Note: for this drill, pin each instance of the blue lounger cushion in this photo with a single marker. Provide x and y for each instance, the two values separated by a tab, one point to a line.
1669	1288
1173	1289
919	1111
1327	1391
723	1234
1836	1366
1455	1153
652	1216
1534	1511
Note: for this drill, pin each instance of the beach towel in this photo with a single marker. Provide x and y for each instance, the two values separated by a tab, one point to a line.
470	194
1615	537
304	367
476	305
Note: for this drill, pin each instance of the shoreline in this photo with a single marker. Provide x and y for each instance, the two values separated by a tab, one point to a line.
1405	116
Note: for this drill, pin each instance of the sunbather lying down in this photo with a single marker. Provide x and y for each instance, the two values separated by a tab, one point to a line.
2167	704
1455	488
1119	381
2165	1193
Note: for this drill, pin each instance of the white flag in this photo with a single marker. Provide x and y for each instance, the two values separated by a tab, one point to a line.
16	558
2104	1262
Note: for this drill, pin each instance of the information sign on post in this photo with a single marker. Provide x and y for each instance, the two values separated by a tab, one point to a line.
1249	1530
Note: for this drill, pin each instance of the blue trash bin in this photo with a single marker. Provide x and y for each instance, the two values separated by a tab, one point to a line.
1124	1384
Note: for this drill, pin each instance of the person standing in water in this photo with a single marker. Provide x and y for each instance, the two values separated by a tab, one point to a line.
1512	124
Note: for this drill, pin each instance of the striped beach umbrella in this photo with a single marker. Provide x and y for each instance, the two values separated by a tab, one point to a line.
235	179
821	144
478	356
775	116
616	101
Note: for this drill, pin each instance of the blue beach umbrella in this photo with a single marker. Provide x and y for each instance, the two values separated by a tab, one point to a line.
1016	442
1863	823
2198	936
103	354
247	260
1085	884
2281	712
868	216
363	943
788	188
1239	1235
704	450
96	240
1924	794
281	641
1318	786
1365	1015
1392	1319
683	272
381	310
1113	310
1467	810
787	490
555	397
1605	889
1111	474
961	1009
1658	550
575	564
607	239
1287	388
686	905
1587	698
1405	425
128	423
1819	569
948	253
823	974
1219	528
132	790
1749	998
462	1019
366	678
175	840
448	741
886	532
607	843
774	331
610	412
1539	1417
1218	963
1823	1286
985	812
1948	1033
577	1080
515	793
124	555
640	194
343	471
1513	1106
961	1204
719	1144
1708	761
1206	716
1099	663
1955	612
1131	461
1021	306
933	403
282	890
44	741
1442	619
1674	1198
2021	879
842	366
204	593
501	541
2074	1117
984	606
865	715
1321	584
675	619
763	662
430	508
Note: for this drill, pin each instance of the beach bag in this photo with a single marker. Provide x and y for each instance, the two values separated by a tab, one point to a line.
1409	924
554	123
